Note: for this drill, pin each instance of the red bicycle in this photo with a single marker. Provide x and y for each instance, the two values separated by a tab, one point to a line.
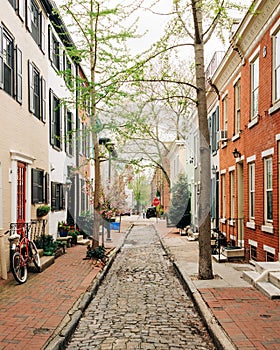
23	252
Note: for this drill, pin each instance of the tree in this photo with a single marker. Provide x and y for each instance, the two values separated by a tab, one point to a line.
100	45
179	211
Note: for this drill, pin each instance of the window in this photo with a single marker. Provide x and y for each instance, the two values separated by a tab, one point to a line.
269	256
253	253
232	187
57	196
268	189
35	22
223	195
254	87
214	127
37	93
55	121
276	65
68	73
69	133
251	191
6	62
37	177
225	112
237	107
55	55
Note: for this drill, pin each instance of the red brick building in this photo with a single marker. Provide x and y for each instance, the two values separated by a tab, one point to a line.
247	133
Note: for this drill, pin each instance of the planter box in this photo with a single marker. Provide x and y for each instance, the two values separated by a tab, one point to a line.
233	252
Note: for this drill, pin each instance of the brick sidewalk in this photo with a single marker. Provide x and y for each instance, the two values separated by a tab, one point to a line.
30	313
250	319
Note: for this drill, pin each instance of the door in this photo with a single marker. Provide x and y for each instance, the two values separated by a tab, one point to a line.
21	194
240	203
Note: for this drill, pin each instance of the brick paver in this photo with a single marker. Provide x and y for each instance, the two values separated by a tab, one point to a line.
30	313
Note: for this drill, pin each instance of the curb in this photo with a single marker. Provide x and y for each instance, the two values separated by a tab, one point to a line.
63	332
219	336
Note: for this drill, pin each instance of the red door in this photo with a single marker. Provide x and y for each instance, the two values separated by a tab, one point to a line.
21	194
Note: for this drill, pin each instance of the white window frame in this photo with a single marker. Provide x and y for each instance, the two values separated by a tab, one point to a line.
251	189
223	196
254	70
268	189
225	112
232	193
275	36
237	95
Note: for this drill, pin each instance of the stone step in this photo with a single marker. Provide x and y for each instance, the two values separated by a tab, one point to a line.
261	266
82	241
222	258
250	276
274	278
46	261
268	289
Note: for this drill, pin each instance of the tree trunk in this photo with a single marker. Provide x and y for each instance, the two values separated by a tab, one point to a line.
205	259
97	179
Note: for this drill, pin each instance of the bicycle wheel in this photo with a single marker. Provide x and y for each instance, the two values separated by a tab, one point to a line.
19	268
34	255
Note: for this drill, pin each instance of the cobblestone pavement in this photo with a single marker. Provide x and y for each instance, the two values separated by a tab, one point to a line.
141	304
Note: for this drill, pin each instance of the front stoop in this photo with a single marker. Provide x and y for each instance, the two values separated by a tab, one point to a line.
82	241
46	261
266	278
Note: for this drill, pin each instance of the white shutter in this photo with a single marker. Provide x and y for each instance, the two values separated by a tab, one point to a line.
51	118
42	32
31	87
28	15
43	100
50	44
19	75
21	6
1	59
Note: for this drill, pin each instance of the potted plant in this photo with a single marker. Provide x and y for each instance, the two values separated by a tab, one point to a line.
63	229
43	210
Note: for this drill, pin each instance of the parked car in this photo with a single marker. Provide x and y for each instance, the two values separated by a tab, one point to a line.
151	212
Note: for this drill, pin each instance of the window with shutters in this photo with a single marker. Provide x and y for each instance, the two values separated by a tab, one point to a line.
10	66
55	51
36	23
57	196
37	178
6	62
69	133
37	93
55	122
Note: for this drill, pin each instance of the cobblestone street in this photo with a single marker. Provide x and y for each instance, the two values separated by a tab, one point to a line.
141	304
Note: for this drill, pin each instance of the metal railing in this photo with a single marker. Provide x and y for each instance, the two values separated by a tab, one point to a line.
34	229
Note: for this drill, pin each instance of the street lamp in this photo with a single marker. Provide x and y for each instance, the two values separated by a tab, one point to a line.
236	153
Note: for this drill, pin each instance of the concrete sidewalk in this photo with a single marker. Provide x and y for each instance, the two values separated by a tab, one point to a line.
237	315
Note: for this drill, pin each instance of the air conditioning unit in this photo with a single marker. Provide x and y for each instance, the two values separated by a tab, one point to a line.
223	135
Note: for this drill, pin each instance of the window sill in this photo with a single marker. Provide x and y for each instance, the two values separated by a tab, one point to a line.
266	228
231	223
236	137
223	220
251	225
274	108
253	122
